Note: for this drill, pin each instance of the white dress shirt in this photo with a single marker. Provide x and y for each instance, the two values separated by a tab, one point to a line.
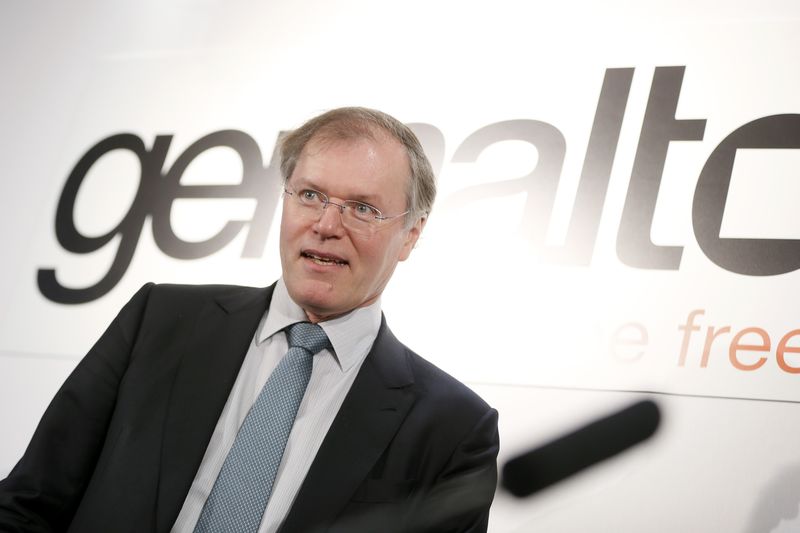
333	373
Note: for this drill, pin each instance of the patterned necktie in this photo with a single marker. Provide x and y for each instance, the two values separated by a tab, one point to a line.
241	492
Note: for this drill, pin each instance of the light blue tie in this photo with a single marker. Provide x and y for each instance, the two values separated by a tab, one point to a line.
243	487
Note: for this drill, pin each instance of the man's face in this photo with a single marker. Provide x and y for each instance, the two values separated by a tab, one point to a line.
328	269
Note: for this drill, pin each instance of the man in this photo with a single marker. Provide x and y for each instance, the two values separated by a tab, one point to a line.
153	431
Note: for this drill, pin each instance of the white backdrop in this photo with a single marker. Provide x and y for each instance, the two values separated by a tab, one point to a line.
550	127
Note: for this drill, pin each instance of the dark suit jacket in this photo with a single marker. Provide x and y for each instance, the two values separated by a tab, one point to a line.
411	449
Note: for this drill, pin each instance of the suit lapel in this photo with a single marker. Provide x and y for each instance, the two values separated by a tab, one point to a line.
373	410
209	366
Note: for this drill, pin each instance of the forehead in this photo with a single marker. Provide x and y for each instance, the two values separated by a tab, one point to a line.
378	141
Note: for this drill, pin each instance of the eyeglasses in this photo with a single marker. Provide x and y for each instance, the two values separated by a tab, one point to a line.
356	216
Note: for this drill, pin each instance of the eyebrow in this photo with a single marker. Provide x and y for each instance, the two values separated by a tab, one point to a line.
362	198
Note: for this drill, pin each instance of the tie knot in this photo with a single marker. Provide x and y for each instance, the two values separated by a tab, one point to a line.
308	336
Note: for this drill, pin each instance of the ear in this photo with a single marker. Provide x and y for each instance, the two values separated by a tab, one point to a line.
411	236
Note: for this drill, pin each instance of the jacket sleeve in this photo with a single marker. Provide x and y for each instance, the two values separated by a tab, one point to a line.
44	489
460	499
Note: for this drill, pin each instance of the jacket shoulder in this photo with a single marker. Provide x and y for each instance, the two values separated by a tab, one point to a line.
172	296
179	290
434	384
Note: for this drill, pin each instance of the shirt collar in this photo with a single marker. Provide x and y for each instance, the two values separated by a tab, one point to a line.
351	335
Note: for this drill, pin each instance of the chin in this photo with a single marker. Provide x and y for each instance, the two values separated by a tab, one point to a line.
313	296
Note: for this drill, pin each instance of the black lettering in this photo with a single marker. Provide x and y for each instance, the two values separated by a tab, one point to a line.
268	192
659	128
172	189
593	186
129	228
540	184
753	257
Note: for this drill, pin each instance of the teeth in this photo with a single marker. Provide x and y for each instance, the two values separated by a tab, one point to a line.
323	261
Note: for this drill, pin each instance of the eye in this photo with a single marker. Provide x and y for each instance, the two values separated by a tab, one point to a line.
364	211
308	196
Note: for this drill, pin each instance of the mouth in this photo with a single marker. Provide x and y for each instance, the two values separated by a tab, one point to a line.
323	259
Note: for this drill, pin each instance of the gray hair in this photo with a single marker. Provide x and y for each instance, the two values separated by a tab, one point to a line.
347	123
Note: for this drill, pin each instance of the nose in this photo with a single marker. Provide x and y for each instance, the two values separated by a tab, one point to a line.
330	222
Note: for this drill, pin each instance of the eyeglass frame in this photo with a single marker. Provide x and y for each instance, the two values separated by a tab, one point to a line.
325	201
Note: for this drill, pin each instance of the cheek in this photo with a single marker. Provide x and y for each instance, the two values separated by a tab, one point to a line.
378	261
283	244
291	230
285	226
